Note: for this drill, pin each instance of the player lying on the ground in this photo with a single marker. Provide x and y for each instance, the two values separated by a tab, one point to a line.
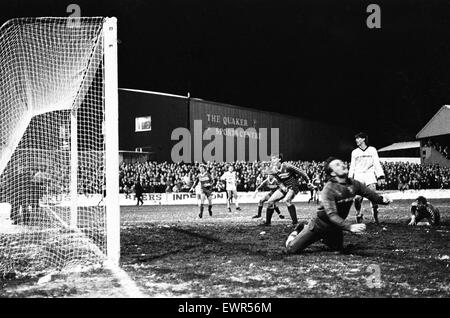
366	168
230	178
272	184
288	177
421	209
335	203
206	185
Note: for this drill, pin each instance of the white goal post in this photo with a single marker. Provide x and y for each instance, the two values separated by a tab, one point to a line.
59	156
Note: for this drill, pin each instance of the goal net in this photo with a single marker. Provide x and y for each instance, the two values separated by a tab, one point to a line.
58	144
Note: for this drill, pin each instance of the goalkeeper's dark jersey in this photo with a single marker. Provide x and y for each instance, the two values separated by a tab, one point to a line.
337	198
289	174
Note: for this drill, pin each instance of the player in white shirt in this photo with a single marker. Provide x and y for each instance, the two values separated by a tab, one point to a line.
365	167
198	192
230	179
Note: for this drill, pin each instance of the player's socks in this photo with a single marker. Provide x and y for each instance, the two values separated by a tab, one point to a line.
375	216
269	213
201	211
281	216
210	210
229	209
260	207
293	214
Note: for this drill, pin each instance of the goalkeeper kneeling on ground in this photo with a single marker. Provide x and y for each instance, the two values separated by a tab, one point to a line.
336	200
421	209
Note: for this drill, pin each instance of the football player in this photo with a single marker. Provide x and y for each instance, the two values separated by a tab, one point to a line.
288	177
421	209
336	200
272	184
366	168
206	184
230	179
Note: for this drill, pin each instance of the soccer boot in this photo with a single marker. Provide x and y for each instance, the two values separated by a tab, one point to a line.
299	227
290	238
258	215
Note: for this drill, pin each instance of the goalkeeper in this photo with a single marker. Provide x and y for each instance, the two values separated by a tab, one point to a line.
421	209
336	199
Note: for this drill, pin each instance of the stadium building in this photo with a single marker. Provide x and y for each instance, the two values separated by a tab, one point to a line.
407	152
153	126
434	139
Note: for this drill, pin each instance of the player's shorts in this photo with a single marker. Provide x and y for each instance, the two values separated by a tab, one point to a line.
268	195
366	178
231	188
295	189
207	192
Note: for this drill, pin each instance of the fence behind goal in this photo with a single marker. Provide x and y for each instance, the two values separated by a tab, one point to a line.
58	138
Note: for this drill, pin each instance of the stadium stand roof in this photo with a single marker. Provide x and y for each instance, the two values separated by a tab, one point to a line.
401	145
438	125
151	92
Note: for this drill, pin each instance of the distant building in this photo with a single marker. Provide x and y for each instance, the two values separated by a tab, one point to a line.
435	139
408	151
147	121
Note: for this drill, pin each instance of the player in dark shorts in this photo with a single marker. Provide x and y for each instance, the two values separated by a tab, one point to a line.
421	209
272	184
206	188
288	177
336	200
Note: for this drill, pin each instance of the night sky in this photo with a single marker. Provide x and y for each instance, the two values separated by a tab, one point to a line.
313	59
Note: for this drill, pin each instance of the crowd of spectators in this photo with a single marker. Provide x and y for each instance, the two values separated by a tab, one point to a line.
404	176
178	177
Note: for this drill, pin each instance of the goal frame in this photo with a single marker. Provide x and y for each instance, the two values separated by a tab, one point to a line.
111	133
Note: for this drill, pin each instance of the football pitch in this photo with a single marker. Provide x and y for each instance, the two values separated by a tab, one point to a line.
169	252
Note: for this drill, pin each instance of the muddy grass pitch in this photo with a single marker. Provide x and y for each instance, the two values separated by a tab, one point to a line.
170	252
